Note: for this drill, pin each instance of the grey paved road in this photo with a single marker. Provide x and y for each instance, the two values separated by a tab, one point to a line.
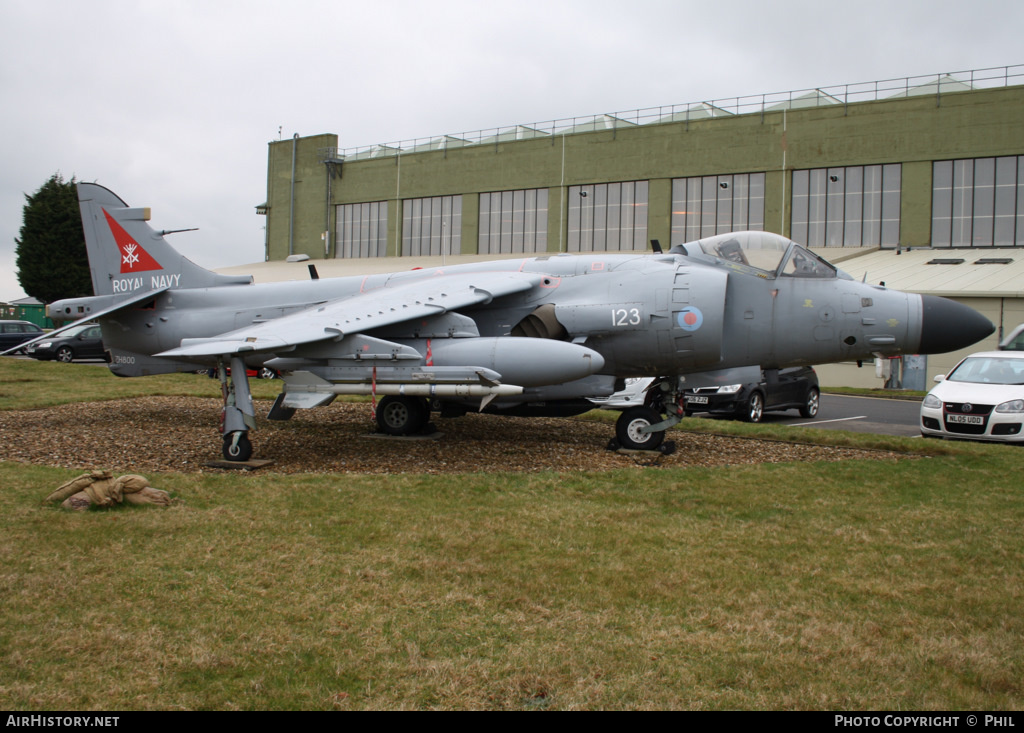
857	414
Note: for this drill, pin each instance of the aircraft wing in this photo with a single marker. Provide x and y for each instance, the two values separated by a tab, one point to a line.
379	307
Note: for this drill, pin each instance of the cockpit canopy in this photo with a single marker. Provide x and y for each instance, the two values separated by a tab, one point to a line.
763	254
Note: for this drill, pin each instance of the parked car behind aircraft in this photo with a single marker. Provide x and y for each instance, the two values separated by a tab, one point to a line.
261	373
795	388
13	333
1015	341
792	388
981	399
80	342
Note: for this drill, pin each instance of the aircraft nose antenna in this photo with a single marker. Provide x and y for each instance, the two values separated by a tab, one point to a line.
947	325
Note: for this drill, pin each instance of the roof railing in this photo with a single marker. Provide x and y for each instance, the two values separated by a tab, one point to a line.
911	86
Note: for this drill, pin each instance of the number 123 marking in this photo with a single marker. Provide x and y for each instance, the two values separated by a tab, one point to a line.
625	317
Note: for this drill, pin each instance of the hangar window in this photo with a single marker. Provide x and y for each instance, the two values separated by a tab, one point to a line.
362	230
608	217
855	206
513	221
978	202
703	206
432	226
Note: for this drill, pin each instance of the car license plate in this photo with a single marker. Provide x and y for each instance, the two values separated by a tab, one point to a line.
966	419
696	400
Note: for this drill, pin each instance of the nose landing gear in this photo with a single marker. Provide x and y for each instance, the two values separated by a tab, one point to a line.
643	427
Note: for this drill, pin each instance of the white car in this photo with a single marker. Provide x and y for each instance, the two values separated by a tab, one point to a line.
981	399
630	396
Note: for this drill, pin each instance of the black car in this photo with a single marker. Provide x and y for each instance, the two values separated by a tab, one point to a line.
79	342
795	388
13	333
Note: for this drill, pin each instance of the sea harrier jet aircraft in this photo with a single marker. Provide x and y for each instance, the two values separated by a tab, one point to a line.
532	336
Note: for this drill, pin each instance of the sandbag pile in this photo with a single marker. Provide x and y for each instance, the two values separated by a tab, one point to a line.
100	488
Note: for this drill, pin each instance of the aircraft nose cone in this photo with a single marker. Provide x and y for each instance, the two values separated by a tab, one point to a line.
947	325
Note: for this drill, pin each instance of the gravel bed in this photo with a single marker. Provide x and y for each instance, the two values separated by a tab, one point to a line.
156	434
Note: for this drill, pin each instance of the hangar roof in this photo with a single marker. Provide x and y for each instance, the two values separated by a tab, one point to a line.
966	273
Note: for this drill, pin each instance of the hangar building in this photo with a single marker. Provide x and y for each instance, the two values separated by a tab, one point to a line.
862	173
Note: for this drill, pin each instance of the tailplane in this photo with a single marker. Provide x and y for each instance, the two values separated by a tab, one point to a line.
127	257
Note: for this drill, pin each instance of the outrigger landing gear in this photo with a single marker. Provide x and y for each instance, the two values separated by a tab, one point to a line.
238	416
237	446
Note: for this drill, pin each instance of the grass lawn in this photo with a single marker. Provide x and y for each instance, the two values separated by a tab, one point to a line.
873	584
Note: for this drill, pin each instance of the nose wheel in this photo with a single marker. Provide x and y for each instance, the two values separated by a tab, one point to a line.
643	427
633	432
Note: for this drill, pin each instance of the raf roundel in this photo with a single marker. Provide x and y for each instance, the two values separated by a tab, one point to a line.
690	319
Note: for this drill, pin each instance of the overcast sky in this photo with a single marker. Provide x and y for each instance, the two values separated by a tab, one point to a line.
171	103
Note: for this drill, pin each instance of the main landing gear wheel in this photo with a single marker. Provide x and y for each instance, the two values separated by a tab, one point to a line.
631	422
402	415
237	450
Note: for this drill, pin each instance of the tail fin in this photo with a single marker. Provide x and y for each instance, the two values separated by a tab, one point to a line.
126	256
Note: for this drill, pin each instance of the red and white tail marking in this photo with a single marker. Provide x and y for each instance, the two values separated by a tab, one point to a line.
133	257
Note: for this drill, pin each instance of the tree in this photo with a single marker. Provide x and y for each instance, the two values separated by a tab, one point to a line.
51	258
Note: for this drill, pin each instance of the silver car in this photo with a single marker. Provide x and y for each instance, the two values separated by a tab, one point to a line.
1015	341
